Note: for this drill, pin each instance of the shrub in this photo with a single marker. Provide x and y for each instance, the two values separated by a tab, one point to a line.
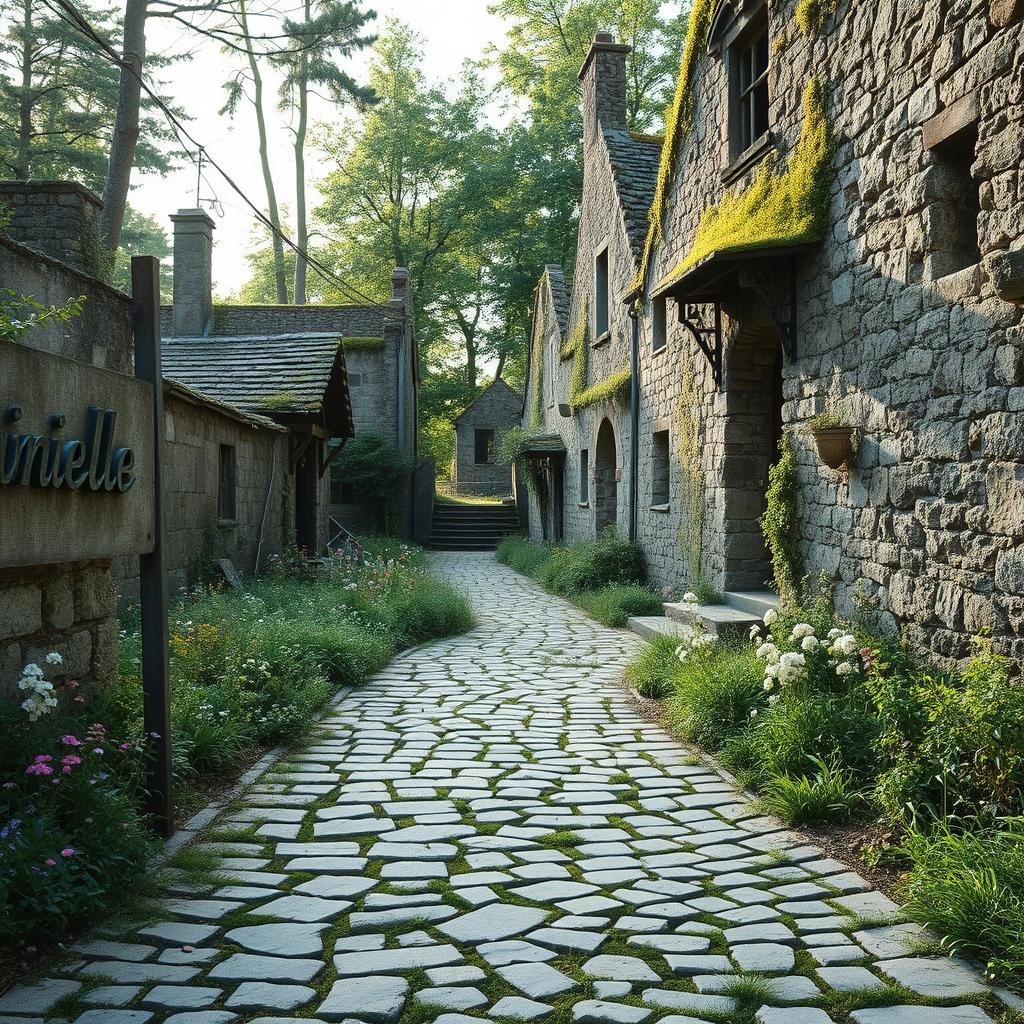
614	605
431	609
593	565
970	888
652	674
716	688
376	469
522	554
953	742
829	793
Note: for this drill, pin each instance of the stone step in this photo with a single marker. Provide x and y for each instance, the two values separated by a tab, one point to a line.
755	602
720	619
650	626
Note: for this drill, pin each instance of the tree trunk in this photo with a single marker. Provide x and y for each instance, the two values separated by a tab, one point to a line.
24	169
126	126
268	178
301	227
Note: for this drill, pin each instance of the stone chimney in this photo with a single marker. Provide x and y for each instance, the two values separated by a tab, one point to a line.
604	85
401	289
56	218
193	274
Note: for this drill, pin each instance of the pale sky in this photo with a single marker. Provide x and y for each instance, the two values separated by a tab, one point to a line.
453	30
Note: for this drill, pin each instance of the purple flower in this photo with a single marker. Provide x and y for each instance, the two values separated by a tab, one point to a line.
71	741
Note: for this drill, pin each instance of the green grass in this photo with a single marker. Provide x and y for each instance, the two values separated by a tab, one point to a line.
969	887
614	605
652	674
826	795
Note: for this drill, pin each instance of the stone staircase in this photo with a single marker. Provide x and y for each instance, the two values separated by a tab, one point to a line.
471	527
740	610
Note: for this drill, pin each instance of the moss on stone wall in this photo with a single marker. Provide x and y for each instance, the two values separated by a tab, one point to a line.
537	367
811	15
779	521
779	207
688	444
678	123
363	344
613	387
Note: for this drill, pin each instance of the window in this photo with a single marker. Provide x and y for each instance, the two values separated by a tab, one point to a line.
483	445
749	62
584	476
355	380
660	471
659	324
955	205
226	483
601	294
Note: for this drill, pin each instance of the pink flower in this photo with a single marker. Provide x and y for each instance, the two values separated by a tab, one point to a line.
67	852
79	700
97	750
71	741
71	759
50	862
38	769
123	746
42	759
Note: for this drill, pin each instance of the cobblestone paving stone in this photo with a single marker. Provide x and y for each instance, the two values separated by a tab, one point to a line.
489	829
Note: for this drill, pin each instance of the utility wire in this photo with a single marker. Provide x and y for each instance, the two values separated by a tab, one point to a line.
74	17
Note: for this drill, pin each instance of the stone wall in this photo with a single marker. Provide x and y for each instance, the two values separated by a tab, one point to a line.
67	608
57	218
497	409
234	320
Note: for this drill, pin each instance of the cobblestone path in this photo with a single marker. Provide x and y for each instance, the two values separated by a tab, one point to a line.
489	830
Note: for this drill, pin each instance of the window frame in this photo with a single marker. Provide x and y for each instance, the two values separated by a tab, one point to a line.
659	323
602	294
487	435
227	483
661	467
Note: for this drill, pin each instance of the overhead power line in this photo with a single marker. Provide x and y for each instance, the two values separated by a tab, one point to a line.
78	21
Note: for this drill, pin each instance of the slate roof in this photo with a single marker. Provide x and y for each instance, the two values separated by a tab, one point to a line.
502	385
559	296
635	164
283	376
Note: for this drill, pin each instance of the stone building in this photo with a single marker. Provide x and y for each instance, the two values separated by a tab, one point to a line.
292	365
838	229
477	431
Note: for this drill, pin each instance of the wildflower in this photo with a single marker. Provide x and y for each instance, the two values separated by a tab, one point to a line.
845	668
769	685
97	750
755	632
845	645
71	759
834	633
810	644
691	598
768	652
53	658
68	851
867	657
791	667
9	785
753	712
71	741
773	699
38	769
50	862
770	616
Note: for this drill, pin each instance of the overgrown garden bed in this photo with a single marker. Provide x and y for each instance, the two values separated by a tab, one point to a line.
605	577
828	721
249	669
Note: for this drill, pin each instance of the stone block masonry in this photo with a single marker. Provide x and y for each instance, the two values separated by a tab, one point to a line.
69	609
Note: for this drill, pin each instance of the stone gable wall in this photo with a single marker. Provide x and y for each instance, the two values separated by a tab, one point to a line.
930	369
498	408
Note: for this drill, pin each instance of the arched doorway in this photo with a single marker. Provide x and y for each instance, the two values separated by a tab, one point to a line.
752	431
606	487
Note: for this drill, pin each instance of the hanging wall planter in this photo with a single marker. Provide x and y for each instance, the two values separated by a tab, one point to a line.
834	444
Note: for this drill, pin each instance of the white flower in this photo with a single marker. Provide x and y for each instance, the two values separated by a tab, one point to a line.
32	669
834	632
791	667
845	668
691	598
753	712
845	645
53	658
773	699
769	685
755	632
800	630
768	652
771	671
770	616
810	644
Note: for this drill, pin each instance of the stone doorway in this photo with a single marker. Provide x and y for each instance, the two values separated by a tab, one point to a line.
752	432
606	487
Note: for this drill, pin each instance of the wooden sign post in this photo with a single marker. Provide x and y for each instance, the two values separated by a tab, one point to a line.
156	676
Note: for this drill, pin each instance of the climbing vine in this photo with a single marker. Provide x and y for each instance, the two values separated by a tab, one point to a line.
537	368
616	386
691	520
577	347
780	519
678	124
21	313
779	207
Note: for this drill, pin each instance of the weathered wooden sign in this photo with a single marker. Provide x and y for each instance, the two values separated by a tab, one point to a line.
76	460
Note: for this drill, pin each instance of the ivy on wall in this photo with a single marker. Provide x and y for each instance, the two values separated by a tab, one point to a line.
537	368
779	207
616	386
577	347
779	521
691	520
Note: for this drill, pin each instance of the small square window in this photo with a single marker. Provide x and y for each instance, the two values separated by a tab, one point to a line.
659	324
584	476
601	293
226	504
660	471
955	205
483	447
